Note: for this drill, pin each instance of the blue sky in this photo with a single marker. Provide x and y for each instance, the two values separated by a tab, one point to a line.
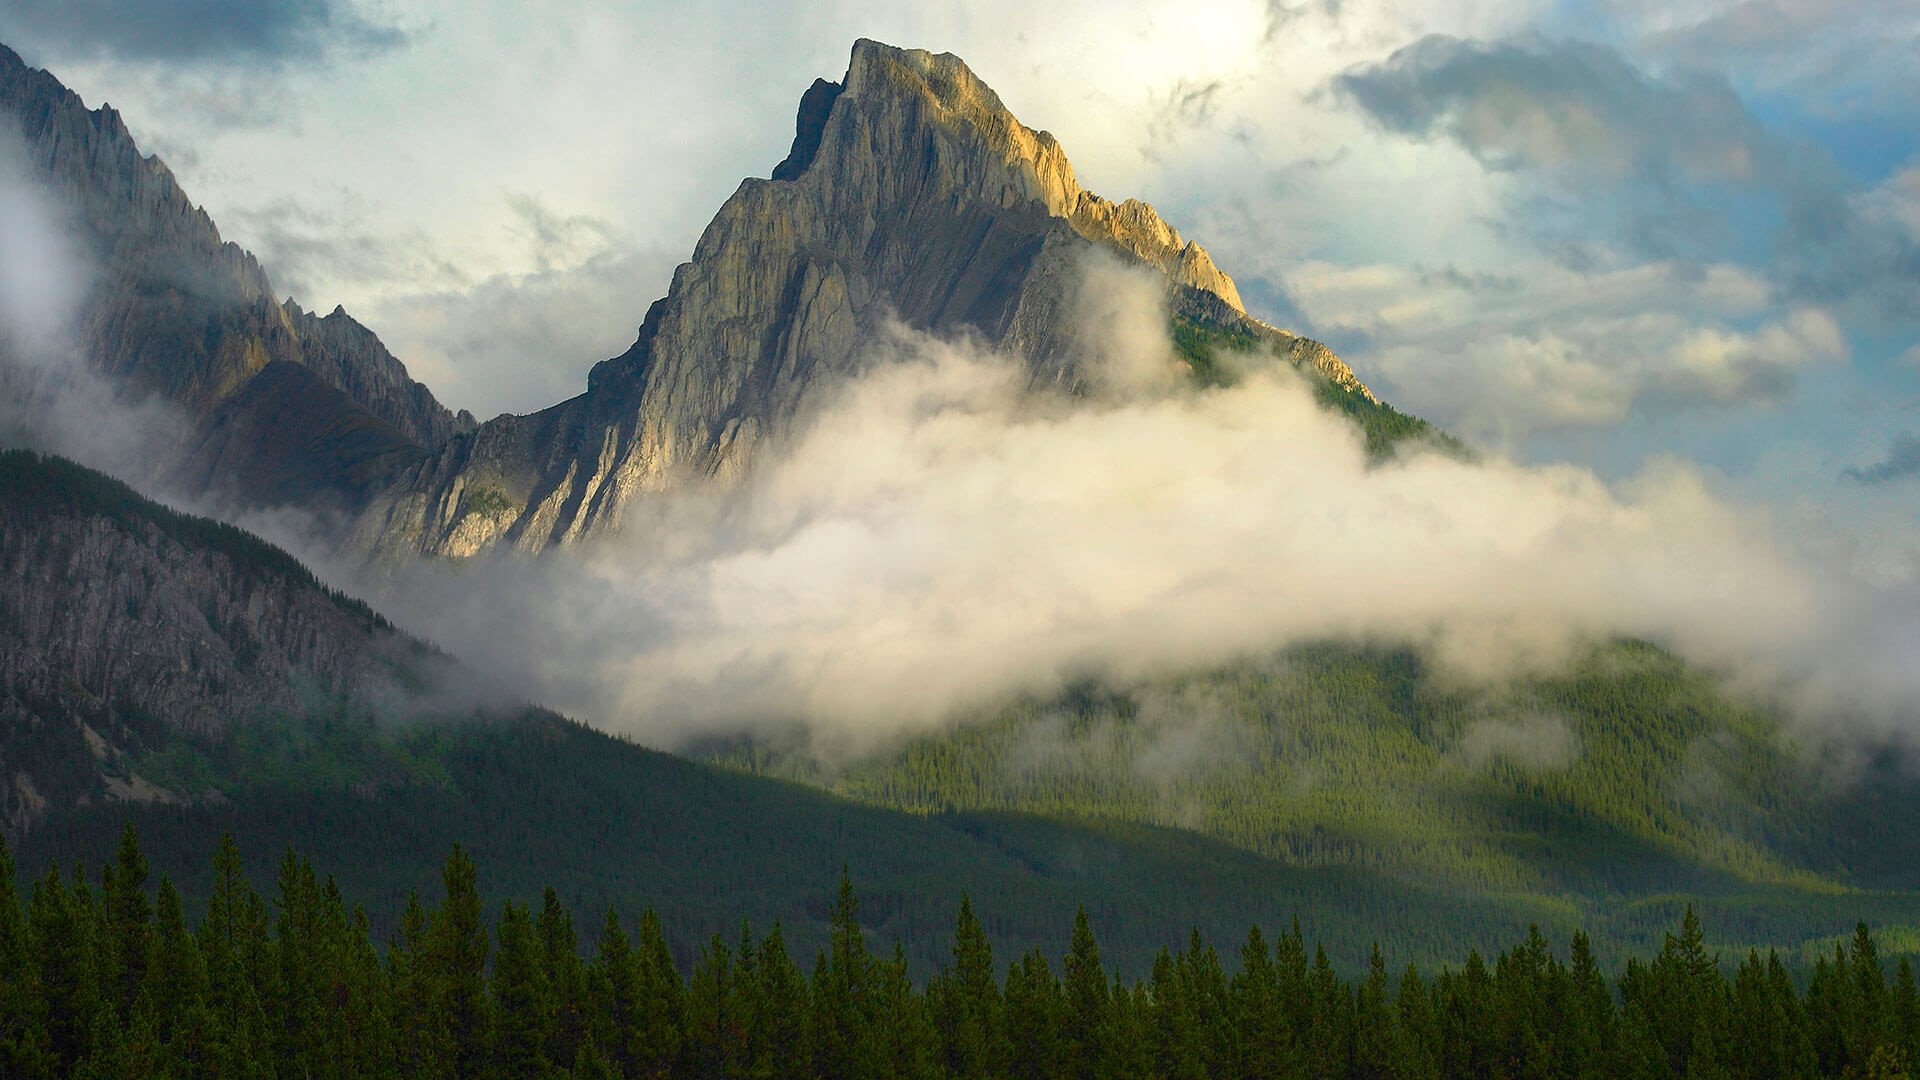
1602	231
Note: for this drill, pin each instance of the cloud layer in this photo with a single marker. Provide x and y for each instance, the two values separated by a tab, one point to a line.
939	539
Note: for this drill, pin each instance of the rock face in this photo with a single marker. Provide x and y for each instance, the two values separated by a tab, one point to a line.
175	312
124	624
910	192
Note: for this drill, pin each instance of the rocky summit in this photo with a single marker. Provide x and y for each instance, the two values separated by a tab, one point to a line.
910	193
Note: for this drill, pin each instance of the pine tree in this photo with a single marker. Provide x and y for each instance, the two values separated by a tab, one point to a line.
1329	1042
1087	1003
1417	1038
662	1011
1263	1036
1373	1030
566	975
1903	1012
233	944
1867	1027
1035	1012
523	1003
776	1012
23	1034
907	1046
616	978
714	1046
1588	1018
129	917
453	965
61	928
845	1042
966	1005
171	1008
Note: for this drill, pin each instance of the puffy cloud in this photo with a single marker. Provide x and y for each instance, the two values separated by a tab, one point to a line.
940	538
1500	357
1563	106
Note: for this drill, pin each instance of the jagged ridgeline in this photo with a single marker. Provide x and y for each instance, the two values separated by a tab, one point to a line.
275	404
910	192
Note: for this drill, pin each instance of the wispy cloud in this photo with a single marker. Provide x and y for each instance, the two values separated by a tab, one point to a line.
1902	462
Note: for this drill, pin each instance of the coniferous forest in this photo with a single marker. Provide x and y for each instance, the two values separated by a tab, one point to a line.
103	976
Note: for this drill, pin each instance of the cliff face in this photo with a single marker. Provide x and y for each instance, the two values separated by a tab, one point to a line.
174	311
124	625
910	192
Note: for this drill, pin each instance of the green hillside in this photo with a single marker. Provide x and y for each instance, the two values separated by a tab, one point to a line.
1607	792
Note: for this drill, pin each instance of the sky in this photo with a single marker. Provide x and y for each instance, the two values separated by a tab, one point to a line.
1614	234
1596	228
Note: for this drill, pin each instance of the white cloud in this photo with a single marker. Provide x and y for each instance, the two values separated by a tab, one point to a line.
1501	357
939	538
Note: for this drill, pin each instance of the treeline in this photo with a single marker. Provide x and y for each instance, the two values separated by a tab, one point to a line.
104	978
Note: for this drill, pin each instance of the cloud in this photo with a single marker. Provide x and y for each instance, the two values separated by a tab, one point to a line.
50	398
1500	357
1187	104
521	342
303	248
940	539
1901	462
1660	167
1838	57
42	278
1563	106
216	33
1536	743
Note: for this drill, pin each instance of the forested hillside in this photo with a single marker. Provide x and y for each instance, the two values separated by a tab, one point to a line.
1626	780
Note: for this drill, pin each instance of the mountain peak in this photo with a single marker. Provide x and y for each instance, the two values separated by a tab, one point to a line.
883	76
910	194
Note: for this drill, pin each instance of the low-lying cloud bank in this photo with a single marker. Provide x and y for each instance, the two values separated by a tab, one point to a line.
941	538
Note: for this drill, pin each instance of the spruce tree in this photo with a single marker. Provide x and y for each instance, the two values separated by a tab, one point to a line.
566	976
523	1006
616	977
776	1012
1035	1012
966	1005
23	1034
661	1021
1087	1003
129	918
453	968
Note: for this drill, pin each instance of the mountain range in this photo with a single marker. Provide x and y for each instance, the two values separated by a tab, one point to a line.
177	671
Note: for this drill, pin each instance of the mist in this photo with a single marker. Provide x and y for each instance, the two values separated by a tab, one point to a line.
50	398
941	538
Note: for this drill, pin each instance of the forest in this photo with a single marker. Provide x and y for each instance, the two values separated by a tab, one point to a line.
102	976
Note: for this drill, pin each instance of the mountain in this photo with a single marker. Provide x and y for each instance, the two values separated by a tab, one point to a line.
126	627
910	192
176	314
181	674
